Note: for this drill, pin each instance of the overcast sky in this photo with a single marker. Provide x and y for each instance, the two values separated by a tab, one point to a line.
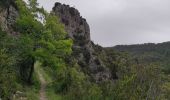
114	22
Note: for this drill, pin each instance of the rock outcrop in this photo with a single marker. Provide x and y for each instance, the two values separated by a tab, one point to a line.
8	15
83	49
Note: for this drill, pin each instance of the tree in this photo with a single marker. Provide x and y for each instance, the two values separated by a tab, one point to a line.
44	42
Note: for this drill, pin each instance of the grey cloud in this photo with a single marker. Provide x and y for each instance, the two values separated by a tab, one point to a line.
115	22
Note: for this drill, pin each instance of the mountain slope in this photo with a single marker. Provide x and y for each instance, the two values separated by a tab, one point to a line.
149	53
83	48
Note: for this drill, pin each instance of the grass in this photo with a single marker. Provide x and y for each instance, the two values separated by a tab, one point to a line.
32	93
52	95
41	70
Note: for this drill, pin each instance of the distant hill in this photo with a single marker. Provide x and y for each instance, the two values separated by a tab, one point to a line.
148	52
140	48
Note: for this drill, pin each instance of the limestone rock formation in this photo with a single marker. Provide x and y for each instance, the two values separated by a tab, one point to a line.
83	49
8	15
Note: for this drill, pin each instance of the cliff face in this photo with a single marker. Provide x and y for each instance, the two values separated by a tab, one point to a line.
8	15
83	50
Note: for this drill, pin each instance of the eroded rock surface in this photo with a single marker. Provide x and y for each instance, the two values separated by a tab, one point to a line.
83	49
8	15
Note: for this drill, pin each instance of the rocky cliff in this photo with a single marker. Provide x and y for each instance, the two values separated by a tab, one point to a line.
84	50
8	15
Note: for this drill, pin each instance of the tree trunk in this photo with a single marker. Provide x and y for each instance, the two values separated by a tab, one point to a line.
29	80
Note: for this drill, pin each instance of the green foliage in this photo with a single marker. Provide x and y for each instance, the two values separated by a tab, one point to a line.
80	88
53	46
142	83
150	65
33	5
72	84
43	42
7	75
53	25
28	25
150	53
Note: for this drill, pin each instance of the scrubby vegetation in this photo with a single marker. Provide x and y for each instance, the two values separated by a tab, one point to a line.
156	58
44	41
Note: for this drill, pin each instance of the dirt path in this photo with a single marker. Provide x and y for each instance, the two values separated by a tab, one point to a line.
43	86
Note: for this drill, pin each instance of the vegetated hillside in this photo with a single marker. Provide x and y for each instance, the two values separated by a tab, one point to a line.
149	53
59	47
